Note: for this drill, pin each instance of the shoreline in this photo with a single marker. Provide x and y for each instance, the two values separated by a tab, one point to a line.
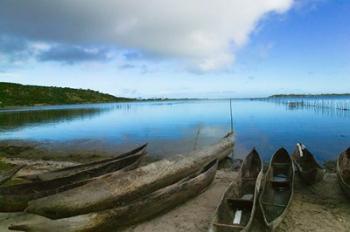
311	204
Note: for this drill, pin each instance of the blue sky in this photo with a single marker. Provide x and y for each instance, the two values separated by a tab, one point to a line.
175	49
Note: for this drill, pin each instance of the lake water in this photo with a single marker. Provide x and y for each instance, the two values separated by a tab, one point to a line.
180	126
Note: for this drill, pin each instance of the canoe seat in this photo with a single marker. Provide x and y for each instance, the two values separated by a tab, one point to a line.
280	181
273	204
280	178
277	164
228	226
247	197
240	203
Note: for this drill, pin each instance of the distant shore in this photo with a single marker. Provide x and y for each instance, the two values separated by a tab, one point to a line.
13	96
310	95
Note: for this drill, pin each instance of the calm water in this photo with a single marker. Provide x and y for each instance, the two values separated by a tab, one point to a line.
181	126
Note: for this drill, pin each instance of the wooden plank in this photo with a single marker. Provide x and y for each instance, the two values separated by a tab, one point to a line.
274	204
226	225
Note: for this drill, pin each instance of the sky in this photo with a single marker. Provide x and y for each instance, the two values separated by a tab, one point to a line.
178	48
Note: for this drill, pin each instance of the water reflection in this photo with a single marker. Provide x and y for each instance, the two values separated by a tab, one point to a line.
332	112
181	126
337	106
10	120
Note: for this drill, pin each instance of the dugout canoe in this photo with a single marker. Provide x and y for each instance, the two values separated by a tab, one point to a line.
72	170
5	176
343	171
142	209
307	166
278	188
15	198
238	205
103	193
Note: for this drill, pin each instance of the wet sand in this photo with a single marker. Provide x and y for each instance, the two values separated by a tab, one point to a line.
322	207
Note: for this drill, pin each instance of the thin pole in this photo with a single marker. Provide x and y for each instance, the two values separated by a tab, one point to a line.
196	139
232	154
231	115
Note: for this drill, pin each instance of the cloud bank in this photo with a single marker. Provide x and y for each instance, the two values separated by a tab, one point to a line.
203	33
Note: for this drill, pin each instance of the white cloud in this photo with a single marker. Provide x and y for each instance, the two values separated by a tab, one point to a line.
204	33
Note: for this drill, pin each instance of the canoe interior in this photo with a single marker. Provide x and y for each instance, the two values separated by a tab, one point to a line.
278	188
344	166
123	155
239	199
35	187
68	171
9	174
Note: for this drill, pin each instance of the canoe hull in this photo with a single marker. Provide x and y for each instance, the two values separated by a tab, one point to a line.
276	195
312	176
15	198
132	185
8	175
343	167
142	209
307	166
249	182
76	169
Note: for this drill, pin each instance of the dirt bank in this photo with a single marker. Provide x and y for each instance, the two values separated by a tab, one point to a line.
321	207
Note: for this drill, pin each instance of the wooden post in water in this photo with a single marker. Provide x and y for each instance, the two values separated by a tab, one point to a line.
231	115
231	124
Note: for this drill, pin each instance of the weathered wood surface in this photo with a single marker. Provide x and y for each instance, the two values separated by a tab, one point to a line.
307	166
248	183
322	202
15	198
69	171
111	191
144	208
9	174
275	200
343	171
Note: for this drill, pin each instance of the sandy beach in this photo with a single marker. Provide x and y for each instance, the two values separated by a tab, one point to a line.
322	207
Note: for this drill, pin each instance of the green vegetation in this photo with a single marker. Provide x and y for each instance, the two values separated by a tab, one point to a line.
28	95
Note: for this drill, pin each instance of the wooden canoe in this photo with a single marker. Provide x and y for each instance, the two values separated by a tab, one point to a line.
103	193
69	171
343	171
10	173
142	209
237	207
307	166
15	198
277	193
